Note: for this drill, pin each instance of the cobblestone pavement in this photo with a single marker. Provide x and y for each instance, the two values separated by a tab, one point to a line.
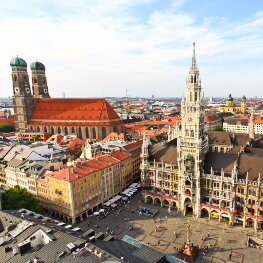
170	232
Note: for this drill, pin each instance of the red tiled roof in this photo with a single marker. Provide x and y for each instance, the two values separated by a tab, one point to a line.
120	155
73	143
114	136
210	118
83	112
258	120
133	146
71	173
7	119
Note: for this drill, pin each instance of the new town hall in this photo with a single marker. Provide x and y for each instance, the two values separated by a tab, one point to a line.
212	174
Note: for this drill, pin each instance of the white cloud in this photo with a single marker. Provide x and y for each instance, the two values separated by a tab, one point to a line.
95	48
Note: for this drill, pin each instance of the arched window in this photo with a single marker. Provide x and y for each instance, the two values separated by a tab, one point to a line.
45	129
87	132
252	191
192	79
195	96
195	79
38	129
66	131
35	80
72	130
94	135
15	78
59	130
52	130
103	132
80	133
190	96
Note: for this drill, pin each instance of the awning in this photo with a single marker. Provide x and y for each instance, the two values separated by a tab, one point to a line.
225	215
239	218
134	185
126	191
115	198
76	229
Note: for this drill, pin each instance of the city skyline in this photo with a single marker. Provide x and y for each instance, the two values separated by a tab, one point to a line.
101	48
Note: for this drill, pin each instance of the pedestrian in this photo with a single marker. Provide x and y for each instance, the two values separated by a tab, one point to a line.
174	233
230	255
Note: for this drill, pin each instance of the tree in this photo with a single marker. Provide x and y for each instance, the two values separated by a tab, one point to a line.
7	127
35	137
17	198
78	152
219	127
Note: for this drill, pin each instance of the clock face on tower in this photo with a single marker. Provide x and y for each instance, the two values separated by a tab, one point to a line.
189	119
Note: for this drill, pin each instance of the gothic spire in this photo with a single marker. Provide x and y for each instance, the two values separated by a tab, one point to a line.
193	57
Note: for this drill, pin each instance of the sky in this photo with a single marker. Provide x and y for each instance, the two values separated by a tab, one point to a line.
101	48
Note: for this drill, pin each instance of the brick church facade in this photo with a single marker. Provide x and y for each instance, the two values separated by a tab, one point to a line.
35	111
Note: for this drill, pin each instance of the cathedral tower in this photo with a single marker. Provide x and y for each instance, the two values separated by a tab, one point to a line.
22	96
192	143
39	81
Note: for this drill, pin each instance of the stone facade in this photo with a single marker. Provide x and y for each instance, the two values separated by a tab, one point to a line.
213	174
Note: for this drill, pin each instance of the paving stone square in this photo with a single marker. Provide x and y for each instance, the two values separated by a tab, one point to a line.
219	238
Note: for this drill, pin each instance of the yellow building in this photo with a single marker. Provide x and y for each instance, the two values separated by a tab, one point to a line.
73	192
230	105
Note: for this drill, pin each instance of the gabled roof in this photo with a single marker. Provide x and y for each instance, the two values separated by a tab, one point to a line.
251	164
218	161
134	147
219	138
120	155
71	111
166	152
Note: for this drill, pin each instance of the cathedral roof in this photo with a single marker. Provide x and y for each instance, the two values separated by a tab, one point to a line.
72	112
18	62
37	65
